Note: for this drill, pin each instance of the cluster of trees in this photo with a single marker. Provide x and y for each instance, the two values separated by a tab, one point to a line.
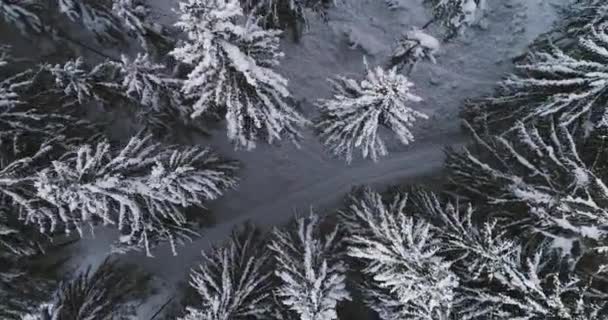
63	172
520	234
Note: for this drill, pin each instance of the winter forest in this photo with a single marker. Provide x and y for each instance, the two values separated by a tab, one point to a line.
303	159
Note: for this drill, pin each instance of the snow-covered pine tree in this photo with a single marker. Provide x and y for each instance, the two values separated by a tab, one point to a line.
540	183
148	85
501	280
109	292
22	14
233	281
569	85
287	14
413	46
82	83
405	275
22	285
475	245
96	16
138	85
141	190
457	15
353	117
134	15
578	17
310	269
232	72
32	113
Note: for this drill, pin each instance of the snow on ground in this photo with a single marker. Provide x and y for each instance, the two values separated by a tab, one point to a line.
277	180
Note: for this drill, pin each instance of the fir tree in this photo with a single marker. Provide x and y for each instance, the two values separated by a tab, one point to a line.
154	95
31	114
22	14
233	280
310	269
500	278
106	293
352	118
141	190
456	15
232	72
23	285
567	85
287	14
413	46
540	183
405	275
135	17
96	16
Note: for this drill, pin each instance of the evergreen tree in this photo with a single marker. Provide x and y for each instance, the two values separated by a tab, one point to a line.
567	84
135	17
24	284
22	14
232	72
233	280
142	190
310	269
32	113
456	15
287	14
413	46
352	118
96	16
501	279
540	183
405	277
106	293
154	95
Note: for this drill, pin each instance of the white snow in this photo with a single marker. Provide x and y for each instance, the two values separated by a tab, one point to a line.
276	180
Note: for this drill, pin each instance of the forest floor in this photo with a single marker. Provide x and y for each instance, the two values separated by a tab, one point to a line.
278	180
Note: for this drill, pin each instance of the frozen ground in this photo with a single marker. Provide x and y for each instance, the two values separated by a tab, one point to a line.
277	180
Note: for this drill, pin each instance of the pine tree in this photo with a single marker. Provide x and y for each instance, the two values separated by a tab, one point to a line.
134	15
287	14
30	115
568	85
310	268
405	275
351	119
141	190
233	280
475	245
147	83
540	183
232	72
82	83
22	284
456	15
580	16
138	85
96	16
414	45
106	293
22	14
